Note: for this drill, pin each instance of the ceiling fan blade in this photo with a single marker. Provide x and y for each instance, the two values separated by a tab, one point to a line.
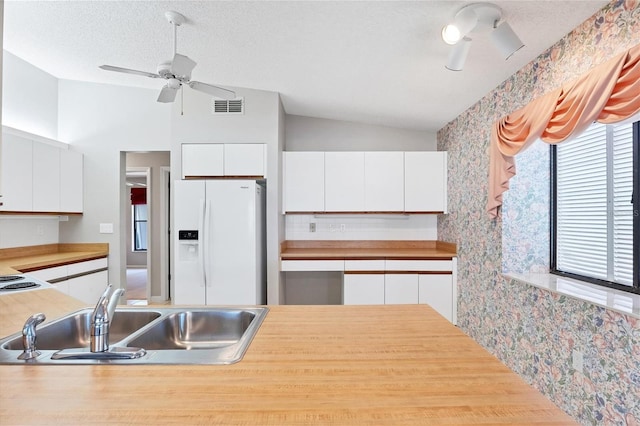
182	65
216	91
128	71
167	94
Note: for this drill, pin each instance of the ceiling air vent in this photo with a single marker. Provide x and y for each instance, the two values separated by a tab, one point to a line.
232	106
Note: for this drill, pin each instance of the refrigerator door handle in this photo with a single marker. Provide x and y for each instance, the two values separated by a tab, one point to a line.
201	252
206	241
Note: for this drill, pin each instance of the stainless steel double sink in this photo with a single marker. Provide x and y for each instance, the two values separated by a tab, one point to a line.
206	335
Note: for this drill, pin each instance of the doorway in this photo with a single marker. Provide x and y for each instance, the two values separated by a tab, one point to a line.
145	230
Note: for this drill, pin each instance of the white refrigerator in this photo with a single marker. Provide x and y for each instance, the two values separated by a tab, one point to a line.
219	235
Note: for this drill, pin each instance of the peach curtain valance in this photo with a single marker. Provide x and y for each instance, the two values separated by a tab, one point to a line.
608	93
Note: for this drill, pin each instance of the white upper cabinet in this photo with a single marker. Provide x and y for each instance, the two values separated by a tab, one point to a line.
39	174
71	178
381	181
46	178
244	159
217	160
425	181
202	159
384	181
303	181
17	174
344	181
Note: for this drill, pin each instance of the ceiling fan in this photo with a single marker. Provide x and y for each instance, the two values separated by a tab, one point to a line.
177	71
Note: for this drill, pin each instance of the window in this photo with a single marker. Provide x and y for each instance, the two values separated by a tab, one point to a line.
139	216
595	204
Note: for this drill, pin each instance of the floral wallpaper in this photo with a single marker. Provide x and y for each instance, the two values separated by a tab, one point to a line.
532	330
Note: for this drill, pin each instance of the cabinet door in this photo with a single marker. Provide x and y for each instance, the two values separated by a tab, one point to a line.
17	173
400	289
88	288
363	289
436	290
344	181
71	178
202	159
46	178
425	181
243	159
303	181
63	286
384	181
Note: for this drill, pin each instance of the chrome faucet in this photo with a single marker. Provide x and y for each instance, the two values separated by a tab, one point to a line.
29	336
101	319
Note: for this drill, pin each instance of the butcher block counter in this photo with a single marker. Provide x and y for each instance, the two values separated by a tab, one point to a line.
30	258
344	365
363	250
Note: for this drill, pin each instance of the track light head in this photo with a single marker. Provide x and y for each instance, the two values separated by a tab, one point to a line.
478	18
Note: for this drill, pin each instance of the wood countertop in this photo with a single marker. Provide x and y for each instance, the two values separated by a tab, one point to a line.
30	258
361	250
344	365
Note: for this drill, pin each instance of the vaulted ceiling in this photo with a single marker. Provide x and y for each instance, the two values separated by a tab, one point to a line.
379	62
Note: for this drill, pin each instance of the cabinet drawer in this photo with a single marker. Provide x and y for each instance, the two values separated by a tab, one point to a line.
312	265
49	274
418	265
364	265
88	266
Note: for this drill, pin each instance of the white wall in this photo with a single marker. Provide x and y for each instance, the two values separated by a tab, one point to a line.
29	103
318	134
103	122
29	98
261	122
20	231
362	227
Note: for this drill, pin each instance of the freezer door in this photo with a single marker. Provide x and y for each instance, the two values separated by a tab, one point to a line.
188	277
230	258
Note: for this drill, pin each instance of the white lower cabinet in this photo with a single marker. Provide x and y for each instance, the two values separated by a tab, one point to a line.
437	291
391	282
88	288
363	289
400	289
85	281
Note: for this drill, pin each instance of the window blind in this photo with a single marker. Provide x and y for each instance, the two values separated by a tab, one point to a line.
622	146
594	218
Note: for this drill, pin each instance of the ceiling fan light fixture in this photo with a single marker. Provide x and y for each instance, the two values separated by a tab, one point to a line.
506	40
458	55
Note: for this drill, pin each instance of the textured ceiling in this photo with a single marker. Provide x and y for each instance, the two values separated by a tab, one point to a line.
362	61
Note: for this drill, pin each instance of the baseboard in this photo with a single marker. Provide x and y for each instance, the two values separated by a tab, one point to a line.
136	266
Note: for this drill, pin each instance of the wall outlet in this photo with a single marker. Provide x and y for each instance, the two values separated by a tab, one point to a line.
578	360
343	227
312	227
39	230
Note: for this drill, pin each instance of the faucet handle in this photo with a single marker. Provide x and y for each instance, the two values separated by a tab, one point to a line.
29	336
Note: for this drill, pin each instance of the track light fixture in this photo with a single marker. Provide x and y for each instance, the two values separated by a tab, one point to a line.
478	18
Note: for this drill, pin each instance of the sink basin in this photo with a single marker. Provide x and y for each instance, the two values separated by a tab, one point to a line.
187	330
204	335
73	331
